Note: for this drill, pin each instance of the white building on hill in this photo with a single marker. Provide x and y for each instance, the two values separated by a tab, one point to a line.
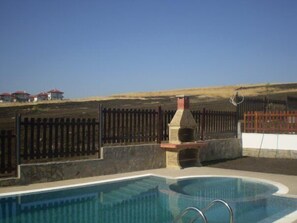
21	96
55	94
5	97
41	97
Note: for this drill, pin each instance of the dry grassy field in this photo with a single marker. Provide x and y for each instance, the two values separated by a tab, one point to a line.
215	98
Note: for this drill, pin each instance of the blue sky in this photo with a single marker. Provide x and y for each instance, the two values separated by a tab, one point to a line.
103	47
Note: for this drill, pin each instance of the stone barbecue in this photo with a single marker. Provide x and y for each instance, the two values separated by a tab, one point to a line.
182	149
182	127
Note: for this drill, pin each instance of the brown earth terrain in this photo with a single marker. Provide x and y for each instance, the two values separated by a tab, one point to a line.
214	98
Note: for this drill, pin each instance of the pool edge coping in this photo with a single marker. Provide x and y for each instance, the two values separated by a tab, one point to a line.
282	189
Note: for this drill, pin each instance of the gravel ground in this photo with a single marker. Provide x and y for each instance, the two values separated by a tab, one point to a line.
264	165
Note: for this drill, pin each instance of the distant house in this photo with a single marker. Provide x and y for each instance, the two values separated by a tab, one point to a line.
40	97
5	97
55	94
31	98
21	96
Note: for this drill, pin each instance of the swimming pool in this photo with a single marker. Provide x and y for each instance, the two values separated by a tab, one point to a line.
149	199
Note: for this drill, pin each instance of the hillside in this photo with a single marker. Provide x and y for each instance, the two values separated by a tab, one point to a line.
219	92
215	98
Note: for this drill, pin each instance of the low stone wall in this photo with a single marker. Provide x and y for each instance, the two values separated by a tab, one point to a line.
219	149
117	159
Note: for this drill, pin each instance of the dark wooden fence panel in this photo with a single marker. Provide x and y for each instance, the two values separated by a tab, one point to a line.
210	124
134	125
7	153
276	105
57	138
252	104
292	103
129	125
218	124
271	122
167	116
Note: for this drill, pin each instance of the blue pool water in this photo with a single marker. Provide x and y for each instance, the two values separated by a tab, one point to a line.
148	200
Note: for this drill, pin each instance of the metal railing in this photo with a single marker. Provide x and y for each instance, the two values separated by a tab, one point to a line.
201	213
187	210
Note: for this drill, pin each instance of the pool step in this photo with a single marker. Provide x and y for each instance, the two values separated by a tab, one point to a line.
129	191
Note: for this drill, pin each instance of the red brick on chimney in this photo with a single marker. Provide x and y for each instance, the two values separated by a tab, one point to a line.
183	102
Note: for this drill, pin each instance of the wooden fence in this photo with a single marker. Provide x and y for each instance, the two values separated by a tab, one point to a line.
129	125
210	124
135	125
165	119
271	122
7	153
252	104
216	124
56	138
292	103
47	139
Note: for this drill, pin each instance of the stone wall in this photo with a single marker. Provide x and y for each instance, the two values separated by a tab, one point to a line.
117	159
219	149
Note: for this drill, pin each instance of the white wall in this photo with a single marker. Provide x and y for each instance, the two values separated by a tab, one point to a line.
269	141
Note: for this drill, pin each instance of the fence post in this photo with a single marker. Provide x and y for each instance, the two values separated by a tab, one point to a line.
237	111
245	121
18	119
100	130
256	122
237	122
238	107
266	103
160	125
10	152
202	125
2	151
237	125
